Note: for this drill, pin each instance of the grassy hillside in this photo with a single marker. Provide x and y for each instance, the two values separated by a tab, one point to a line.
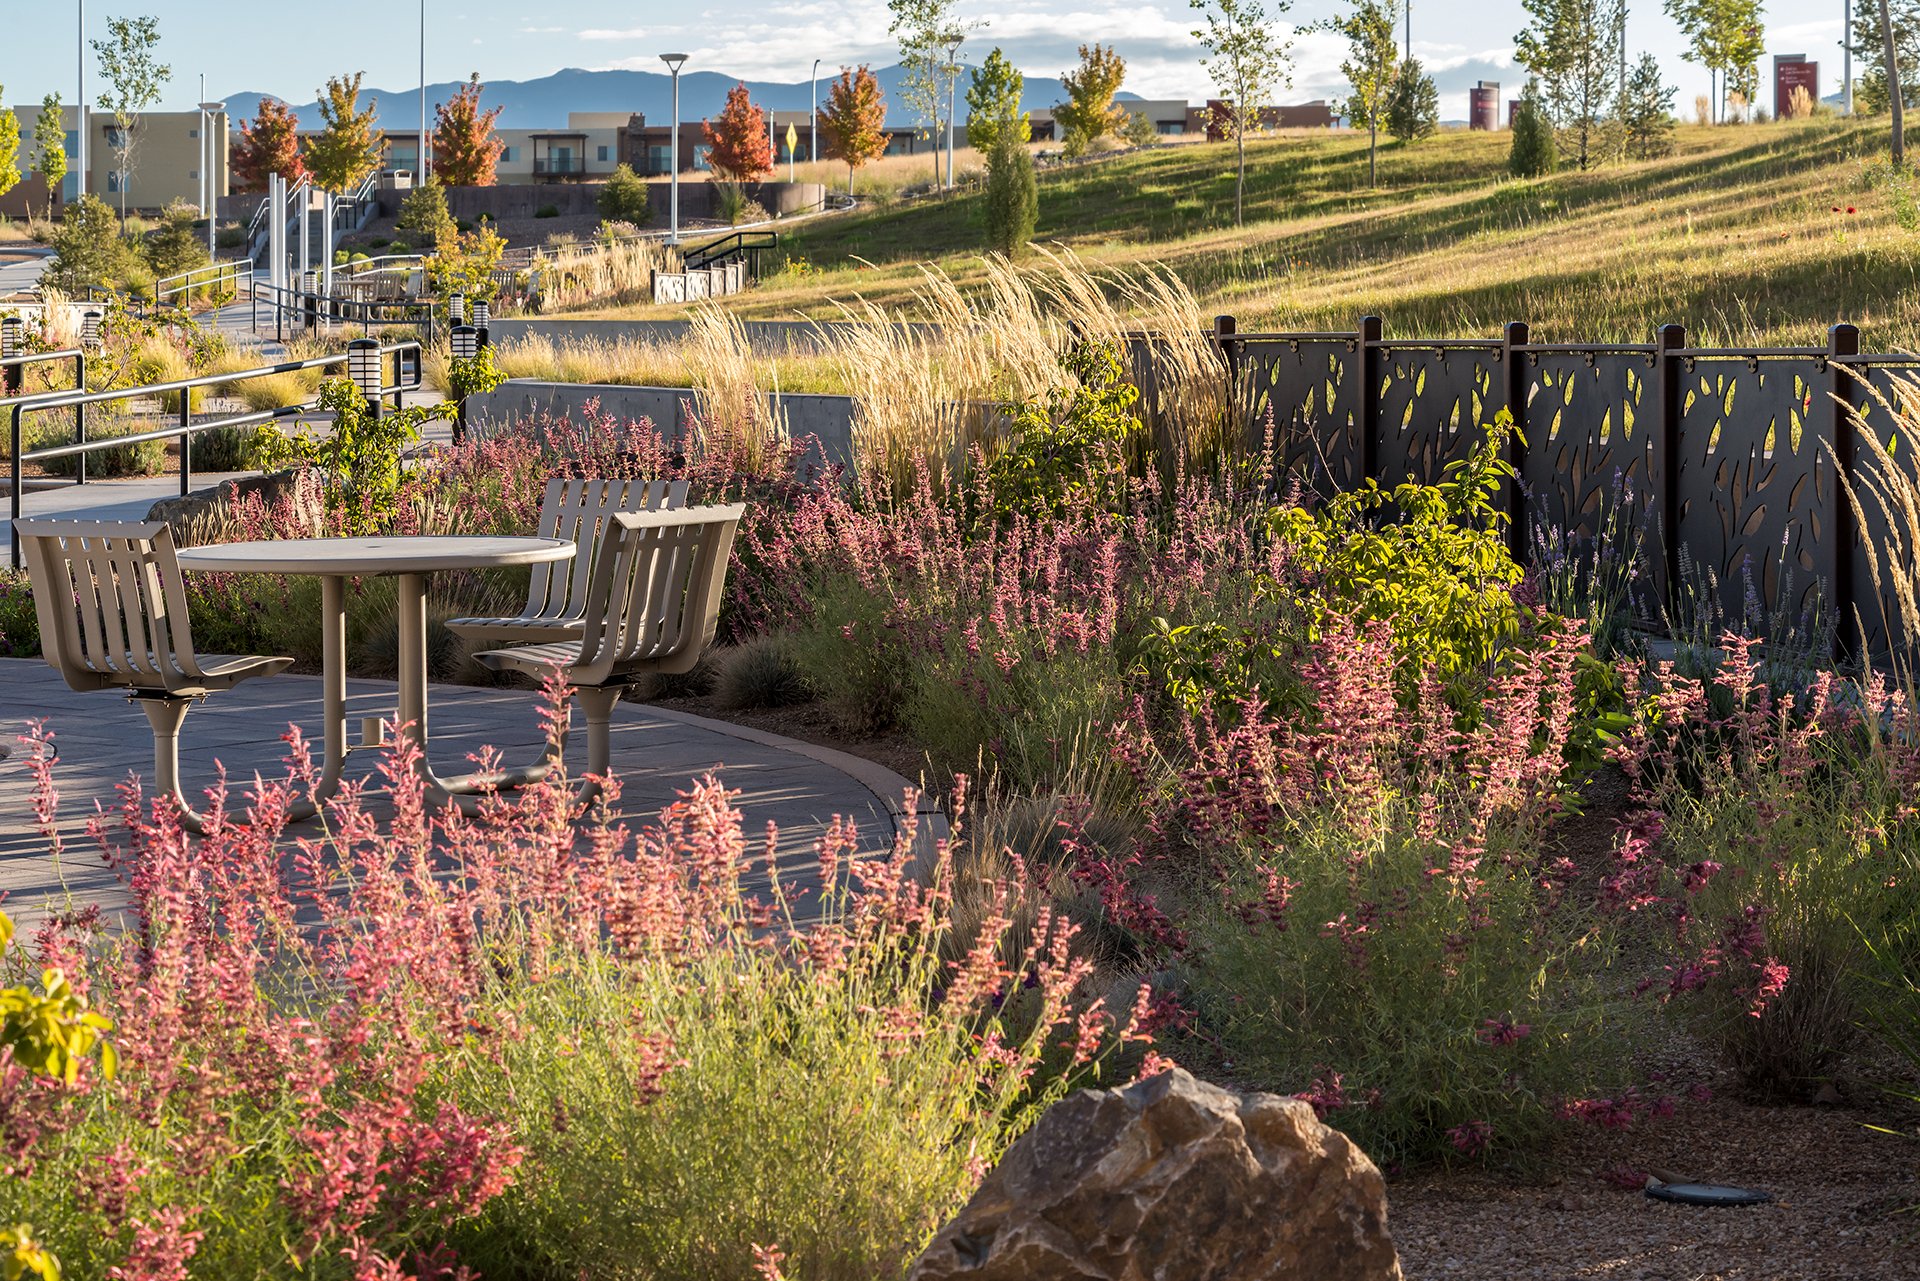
1736	236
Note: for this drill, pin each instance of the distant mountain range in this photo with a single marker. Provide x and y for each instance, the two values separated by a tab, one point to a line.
545	102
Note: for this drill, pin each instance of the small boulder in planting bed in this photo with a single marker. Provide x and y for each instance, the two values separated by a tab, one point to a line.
1172	1177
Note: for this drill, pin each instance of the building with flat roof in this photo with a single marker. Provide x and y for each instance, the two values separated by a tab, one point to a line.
165	163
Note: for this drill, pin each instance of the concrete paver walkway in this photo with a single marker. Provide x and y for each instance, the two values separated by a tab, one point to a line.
656	752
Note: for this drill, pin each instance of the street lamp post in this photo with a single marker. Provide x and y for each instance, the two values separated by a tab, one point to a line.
1846	56
80	100
813	118
420	152
953	41
210	156
674	62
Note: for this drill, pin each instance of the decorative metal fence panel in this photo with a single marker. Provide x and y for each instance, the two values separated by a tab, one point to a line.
1433	399
1727	460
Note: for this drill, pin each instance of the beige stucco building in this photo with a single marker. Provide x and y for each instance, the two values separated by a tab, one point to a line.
166	160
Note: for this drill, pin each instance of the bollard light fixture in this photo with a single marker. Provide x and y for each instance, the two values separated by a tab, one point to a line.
90	331
363	366
11	332
457	309
480	313
466	342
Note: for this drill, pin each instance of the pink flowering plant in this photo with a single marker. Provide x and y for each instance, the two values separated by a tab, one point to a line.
531	1042
1775	835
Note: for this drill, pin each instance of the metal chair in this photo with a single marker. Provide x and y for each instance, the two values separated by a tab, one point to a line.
652	607
575	509
126	627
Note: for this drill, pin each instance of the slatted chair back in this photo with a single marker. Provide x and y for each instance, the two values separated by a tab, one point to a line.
577	510
654	603
112	606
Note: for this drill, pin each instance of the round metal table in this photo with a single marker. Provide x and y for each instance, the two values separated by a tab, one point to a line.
408	559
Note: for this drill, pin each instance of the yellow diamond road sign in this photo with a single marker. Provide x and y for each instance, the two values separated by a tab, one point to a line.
793	138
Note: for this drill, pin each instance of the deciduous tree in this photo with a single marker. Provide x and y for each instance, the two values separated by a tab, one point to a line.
1727	37
269	144
854	120
1646	110
349	145
1868	42
739	145
1572	47
993	103
924	29
1413	105
1372	62
50	147
1089	111
134	79
465	147
9	146
1248	65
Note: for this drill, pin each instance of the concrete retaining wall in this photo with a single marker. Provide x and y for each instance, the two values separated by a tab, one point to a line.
767	337
827	418
523	200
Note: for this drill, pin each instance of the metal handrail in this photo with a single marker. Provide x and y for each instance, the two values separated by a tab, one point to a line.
233	268
186	428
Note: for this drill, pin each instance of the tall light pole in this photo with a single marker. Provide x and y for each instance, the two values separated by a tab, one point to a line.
420	161
674	62
80	99
813	119
953	41
1846	56
211	156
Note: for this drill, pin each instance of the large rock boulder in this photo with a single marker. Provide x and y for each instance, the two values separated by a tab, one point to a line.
1172	1179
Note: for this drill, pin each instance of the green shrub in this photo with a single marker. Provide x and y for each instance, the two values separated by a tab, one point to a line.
732	206
1068	446
1413	104
423	211
1441	571
1534	151
227	449
625	198
763	672
175	246
841	650
142	458
547	211
1139	130
89	250
19	620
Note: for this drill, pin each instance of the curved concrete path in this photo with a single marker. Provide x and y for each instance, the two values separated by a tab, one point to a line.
656	752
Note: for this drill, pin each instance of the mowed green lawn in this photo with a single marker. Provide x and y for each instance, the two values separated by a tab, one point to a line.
1743	234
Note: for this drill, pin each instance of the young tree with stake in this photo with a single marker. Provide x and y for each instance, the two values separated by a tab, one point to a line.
1088	114
738	144
269	144
1373	59
466	150
993	103
1247	65
50	148
348	146
134	81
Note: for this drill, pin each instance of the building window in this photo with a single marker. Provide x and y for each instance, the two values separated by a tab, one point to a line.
193	175
113	180
700	158
509	154
71	145
658	159
115	136
193	133
603	153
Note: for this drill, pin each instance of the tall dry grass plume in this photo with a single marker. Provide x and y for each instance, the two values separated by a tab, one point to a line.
731	401
929	376
1883	492
600	273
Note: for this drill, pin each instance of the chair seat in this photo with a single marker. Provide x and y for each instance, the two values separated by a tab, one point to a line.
217	672
531	660
521	627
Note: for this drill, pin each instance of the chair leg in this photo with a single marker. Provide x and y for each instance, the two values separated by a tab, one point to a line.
166	716
597	702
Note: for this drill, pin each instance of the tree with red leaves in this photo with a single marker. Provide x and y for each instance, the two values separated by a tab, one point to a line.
854	120
739	145
269	145
465	147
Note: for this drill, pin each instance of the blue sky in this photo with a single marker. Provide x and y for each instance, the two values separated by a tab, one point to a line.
290	49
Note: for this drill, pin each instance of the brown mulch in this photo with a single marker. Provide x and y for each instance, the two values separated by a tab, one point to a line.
1842	1189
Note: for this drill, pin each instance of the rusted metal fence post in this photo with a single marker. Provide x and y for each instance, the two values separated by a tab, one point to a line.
1366	404
1513	365
1842	340
1670	382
